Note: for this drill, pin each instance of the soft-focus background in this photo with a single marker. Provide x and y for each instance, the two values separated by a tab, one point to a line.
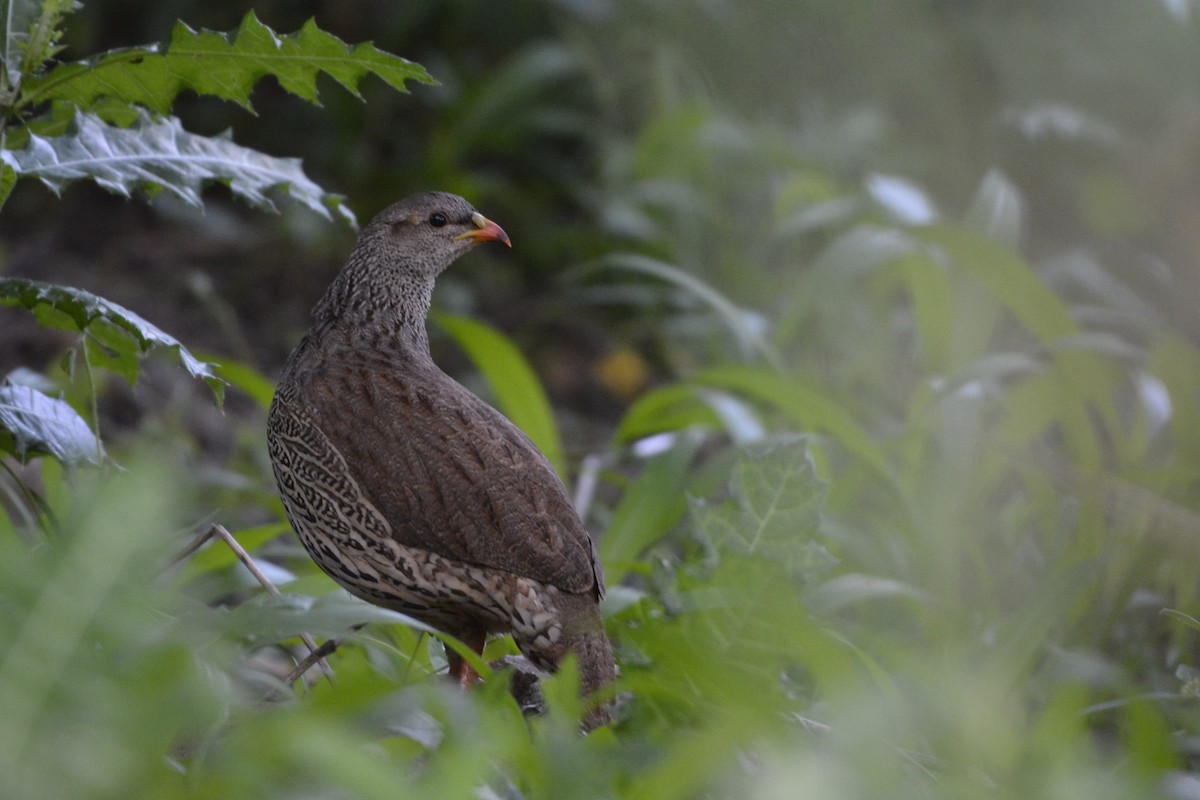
870	332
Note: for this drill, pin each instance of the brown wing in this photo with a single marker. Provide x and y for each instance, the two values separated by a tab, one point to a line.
449	473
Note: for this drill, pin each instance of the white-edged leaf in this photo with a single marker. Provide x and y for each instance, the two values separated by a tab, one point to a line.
38	423
157	155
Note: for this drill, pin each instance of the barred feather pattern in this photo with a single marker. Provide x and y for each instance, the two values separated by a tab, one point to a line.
351	541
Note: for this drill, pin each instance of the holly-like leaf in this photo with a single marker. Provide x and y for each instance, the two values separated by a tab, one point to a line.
157	155
224	65
126	335
33	422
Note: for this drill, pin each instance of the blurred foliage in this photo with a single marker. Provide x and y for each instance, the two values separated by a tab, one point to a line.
868	334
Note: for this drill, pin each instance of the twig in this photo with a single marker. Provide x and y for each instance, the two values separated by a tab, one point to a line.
327	648
316	655
192	546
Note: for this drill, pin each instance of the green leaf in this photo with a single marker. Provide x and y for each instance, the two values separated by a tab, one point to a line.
55	638
774	512
933	307
1007	277
157	155
8	179
736	319
670	408
119	330
247	379
856	588
811	408
33	422
514	384
682	406
224	65
19	22
650	507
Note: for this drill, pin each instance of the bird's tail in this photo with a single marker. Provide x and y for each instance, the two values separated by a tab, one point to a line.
586	638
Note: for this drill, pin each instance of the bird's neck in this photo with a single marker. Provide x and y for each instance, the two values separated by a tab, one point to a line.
378	303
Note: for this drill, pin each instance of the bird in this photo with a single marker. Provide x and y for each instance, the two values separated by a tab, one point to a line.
410	491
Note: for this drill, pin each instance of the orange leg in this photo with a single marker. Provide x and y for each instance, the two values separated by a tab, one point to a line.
460	670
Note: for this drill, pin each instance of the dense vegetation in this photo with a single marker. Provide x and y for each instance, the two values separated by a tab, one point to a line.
869	341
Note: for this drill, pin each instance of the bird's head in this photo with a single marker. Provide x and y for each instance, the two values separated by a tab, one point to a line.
429	231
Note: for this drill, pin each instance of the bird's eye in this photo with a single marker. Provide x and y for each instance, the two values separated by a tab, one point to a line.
437	220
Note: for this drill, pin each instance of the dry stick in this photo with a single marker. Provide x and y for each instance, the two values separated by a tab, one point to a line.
194	545
316	655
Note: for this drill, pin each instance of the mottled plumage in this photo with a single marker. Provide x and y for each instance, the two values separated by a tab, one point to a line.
410	491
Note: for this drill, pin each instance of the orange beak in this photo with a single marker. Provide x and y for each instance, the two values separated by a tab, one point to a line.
488	231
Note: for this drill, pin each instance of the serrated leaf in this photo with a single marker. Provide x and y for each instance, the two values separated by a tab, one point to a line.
224	65
115	327
33	422
157	155
774	513
779	491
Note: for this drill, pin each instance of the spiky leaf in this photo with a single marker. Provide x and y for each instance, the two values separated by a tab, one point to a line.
158	155
126	336
33	422
224	65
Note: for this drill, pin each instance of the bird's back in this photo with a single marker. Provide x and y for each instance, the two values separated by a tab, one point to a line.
448	473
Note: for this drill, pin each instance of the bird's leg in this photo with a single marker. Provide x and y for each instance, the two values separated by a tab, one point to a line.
460	671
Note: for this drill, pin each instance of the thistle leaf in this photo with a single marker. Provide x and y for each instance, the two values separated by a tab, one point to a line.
156	154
